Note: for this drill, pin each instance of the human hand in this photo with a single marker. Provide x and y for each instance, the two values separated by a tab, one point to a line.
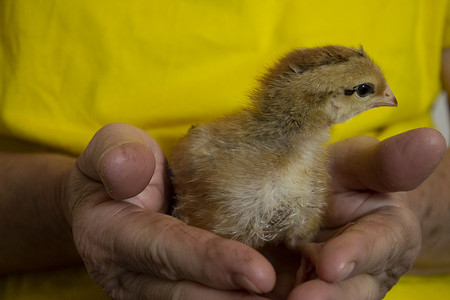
116	199
372	237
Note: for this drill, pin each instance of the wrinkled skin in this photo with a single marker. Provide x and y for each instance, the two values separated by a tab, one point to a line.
136	251
372	236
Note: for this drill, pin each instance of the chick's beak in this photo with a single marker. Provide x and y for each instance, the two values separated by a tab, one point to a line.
386	99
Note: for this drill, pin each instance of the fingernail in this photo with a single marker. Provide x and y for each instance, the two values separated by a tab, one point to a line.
346	271
242	281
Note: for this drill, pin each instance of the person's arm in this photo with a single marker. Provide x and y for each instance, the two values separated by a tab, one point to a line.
445	67
33	231
108	205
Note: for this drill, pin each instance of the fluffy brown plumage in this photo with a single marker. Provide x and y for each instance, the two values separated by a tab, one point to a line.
260	175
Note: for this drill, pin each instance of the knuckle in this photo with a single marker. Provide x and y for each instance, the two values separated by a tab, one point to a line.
407	240
386	281
157	253
374	290
403	248
165	256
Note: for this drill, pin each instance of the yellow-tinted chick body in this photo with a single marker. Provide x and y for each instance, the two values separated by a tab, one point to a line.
260	175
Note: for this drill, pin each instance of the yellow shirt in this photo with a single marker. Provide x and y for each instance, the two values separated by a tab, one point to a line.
69	67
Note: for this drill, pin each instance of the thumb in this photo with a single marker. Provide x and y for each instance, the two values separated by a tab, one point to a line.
399	163
123	158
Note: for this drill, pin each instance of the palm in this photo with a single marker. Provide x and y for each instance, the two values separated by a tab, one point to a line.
116	196
371	237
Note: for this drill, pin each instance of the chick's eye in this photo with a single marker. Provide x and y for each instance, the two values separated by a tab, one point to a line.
364	90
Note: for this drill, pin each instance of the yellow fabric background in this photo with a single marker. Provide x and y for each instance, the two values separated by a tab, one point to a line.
69	67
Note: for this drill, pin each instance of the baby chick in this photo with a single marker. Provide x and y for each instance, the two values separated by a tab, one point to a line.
260	175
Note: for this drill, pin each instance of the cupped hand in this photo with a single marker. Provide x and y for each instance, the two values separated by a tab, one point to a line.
372	237
117	195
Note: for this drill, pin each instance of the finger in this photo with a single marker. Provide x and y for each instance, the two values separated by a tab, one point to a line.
124	158
362	287
388	240
345	207
126	169
286	263
162	245
399	163
144	287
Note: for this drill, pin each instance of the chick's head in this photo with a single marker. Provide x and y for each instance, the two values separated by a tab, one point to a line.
334	83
